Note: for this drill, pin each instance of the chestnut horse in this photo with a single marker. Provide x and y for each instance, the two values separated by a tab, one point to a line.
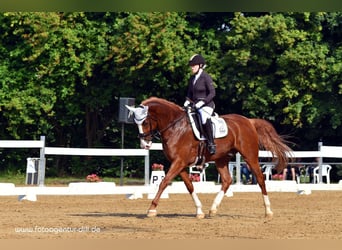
168	120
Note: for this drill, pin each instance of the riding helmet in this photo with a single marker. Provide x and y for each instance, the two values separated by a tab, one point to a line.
197	60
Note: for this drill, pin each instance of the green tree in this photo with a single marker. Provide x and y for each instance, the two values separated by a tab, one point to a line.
282	68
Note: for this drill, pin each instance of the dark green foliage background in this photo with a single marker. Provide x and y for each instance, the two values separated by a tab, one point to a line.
62	74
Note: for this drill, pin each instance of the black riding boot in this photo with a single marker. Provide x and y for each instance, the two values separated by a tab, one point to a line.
209	135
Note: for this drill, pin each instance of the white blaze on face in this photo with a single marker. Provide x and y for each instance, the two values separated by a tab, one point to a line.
143	143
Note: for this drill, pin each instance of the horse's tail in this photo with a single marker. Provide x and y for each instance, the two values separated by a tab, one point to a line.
270	140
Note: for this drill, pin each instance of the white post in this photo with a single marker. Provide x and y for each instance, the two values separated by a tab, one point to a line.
320	162
147	168
41	167
122	146
238	168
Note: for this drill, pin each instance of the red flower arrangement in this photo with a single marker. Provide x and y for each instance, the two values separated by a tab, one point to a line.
93	178
157	167
195	177
277	177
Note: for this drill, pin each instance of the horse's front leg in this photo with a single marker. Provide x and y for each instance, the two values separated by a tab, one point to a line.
185	177
171	174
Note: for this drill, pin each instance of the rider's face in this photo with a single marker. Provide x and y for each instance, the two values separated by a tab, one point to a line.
194	69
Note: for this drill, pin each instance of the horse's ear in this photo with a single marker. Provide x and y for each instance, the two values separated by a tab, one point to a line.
130	108
140	113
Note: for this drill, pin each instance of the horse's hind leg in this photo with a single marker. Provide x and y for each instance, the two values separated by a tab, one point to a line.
256	170
226	181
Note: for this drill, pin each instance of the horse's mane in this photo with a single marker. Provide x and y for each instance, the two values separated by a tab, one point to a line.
161	101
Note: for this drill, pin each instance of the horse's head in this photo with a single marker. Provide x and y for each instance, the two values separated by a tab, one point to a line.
155	117
146	124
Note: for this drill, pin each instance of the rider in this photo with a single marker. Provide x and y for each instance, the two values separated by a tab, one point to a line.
202	92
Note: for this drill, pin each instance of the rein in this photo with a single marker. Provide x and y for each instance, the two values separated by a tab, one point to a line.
154	133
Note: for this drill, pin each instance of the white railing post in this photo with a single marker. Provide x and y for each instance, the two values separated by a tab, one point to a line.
42	162
147	168
238	168
320	162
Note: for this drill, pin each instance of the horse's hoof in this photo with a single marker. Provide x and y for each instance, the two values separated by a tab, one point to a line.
200	216
212	213
152	213
269	216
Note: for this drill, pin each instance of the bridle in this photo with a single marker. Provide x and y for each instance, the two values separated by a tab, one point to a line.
155	133
152	133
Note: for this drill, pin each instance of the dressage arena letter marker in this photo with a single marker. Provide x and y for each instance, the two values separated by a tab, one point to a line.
156	178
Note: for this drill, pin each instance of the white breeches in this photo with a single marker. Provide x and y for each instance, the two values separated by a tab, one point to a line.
205	113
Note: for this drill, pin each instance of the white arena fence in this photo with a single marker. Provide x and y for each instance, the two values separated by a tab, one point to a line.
73	151
322	152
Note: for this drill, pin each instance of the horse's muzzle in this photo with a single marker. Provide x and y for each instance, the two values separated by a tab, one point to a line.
145	144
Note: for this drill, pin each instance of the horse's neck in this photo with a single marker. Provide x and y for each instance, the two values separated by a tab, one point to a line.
165	113
168	117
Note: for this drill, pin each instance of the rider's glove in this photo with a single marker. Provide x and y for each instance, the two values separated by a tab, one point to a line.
199	104
186	103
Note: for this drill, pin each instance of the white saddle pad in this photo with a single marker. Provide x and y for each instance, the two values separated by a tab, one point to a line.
220	128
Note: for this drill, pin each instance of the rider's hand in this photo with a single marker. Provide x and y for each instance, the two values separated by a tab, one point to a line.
186	103
199	104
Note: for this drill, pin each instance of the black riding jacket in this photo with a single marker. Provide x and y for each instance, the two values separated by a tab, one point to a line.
202	90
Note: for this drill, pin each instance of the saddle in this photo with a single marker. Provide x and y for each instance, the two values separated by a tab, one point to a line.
220	128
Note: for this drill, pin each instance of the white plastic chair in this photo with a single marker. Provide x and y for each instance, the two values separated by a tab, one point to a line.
325	172
231	167
267	171
194	170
